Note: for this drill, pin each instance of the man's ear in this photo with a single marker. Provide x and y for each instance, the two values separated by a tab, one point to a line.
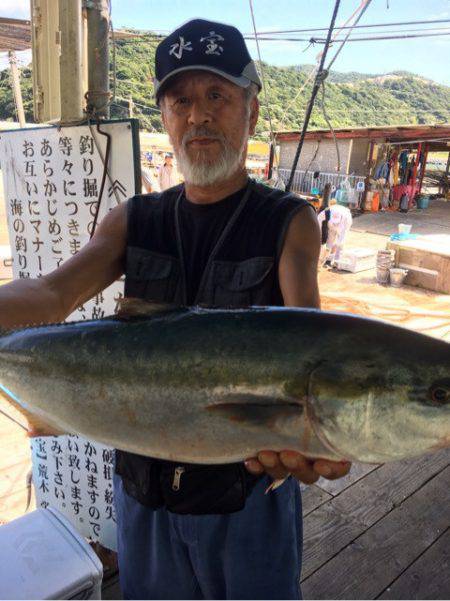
254	114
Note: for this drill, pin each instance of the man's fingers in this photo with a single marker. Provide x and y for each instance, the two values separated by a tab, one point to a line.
272	465
253	466
300	467
332	469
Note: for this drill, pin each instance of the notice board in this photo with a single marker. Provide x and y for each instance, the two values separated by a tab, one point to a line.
52	180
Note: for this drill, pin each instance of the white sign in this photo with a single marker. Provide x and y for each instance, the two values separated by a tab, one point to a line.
52	181
360	186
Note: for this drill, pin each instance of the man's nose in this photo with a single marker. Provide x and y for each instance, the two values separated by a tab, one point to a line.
199	113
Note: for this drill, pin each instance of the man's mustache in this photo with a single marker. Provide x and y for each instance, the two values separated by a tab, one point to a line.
201	132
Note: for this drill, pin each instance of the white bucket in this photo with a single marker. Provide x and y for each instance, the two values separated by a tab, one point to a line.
397	276
404	228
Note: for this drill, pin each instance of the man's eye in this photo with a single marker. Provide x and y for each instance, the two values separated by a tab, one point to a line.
216	95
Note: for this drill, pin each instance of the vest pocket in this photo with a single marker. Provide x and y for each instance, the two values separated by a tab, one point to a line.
151	276
243	283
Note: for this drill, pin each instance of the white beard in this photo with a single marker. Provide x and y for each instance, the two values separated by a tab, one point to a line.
199	168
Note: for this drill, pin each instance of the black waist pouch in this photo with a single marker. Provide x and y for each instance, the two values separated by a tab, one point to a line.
140	477
185	488
203	489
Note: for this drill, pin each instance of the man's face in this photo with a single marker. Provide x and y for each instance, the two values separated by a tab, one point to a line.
208	120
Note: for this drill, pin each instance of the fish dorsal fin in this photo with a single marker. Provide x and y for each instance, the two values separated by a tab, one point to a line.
130	307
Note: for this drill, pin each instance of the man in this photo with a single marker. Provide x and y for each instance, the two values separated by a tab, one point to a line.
167	175
220	239
339	221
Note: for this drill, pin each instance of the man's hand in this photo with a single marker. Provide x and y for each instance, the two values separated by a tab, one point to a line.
308	471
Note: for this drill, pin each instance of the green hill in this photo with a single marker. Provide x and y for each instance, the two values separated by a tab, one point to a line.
352	99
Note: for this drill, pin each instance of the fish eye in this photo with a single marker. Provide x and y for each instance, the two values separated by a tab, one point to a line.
439	395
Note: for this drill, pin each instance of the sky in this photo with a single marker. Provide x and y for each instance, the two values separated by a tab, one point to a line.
428	57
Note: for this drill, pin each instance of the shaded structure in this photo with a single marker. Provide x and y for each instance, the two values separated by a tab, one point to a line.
353	153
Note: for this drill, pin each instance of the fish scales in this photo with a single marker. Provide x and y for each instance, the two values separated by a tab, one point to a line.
217	386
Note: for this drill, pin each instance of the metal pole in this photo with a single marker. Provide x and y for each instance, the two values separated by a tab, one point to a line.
271	156
98	57
16	87
71	61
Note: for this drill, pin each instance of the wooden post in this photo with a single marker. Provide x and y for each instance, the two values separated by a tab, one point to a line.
368	174
71	61
98	57
424	165
444	186
16	87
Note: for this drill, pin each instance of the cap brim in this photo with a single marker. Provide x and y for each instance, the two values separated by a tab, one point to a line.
242	81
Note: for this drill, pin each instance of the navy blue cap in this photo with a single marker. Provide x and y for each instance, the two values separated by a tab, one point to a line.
208	46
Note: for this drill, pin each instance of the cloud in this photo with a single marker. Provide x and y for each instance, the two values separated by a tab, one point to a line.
15	9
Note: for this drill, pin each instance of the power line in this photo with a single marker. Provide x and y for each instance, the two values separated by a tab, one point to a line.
356	26
362	39
398	37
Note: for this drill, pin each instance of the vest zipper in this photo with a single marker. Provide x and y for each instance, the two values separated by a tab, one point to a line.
177	477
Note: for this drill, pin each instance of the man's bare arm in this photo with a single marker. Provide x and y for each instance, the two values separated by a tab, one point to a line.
54	296
297	271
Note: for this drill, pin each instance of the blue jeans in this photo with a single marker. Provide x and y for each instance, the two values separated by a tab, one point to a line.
251	554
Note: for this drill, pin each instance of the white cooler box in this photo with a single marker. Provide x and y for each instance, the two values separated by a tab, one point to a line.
42	556
357	259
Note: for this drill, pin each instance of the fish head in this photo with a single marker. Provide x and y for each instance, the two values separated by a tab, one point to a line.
377	407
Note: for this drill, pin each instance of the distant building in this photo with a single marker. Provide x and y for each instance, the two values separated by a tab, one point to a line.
361	149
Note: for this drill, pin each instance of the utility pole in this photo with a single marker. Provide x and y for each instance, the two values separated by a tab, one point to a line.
16	87
130	106
98	57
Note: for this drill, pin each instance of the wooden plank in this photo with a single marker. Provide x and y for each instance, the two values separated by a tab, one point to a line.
428	577
13	506
367	566
14	478
387	487
20	448
357	471
337	522
312	497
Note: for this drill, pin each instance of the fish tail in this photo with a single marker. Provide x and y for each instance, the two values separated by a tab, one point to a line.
276	484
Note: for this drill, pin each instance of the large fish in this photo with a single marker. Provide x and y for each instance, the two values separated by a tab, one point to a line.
217	386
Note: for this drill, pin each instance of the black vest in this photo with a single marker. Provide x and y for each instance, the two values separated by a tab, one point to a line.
242	271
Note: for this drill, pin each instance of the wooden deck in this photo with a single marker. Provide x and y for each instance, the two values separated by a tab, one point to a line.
383	532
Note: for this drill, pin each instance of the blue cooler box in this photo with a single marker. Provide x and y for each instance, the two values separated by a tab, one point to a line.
42	556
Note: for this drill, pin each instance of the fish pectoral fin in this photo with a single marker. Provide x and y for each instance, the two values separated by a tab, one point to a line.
136	307
34	424
249	411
